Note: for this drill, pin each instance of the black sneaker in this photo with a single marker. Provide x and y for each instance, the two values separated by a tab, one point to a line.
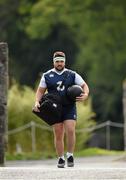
70	161
61	163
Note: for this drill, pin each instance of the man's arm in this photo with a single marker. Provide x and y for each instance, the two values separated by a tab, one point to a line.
39	93
84	95
85	88
79	81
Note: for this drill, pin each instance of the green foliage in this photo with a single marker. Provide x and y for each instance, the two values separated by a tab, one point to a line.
43	16
20	99
20	102
97	152
29	156
103	58
85	116
83	153
98	28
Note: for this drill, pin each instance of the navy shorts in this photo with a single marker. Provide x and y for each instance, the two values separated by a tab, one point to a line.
69	112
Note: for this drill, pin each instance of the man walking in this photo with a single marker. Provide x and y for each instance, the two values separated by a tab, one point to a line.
51	81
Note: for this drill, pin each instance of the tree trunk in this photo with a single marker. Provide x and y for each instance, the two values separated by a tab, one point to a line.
3	98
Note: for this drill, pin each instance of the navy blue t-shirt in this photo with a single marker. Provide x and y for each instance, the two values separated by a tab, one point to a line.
51	80
54	80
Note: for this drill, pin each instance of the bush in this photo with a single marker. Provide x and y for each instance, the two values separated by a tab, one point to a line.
84	121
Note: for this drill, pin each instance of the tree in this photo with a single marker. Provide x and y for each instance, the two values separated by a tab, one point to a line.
98	28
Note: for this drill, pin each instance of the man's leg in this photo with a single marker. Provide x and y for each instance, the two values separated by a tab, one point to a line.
70	134
58	130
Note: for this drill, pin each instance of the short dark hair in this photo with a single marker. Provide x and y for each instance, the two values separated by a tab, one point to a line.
58	54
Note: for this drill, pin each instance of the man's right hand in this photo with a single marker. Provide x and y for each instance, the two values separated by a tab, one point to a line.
36	107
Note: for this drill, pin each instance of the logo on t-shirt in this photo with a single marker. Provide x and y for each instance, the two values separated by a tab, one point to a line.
51	75
60	88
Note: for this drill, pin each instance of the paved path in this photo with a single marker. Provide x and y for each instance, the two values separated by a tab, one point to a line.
91	168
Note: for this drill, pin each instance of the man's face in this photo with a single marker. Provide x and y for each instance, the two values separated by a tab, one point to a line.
59	65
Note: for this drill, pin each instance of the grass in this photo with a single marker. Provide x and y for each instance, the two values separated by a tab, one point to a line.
41	155
97	152
29	156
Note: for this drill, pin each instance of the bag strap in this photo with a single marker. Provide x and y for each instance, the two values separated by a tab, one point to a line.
66	74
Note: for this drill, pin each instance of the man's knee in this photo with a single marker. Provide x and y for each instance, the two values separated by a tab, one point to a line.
70	127
58	132
71	130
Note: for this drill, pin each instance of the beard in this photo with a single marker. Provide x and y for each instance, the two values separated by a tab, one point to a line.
59	68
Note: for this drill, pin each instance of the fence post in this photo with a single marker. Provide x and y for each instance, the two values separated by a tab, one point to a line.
3	98
108	135
33	136
124	111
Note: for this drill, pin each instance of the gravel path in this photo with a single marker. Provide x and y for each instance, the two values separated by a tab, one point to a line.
89	168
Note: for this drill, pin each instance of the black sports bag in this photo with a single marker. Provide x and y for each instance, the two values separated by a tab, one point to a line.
50	108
